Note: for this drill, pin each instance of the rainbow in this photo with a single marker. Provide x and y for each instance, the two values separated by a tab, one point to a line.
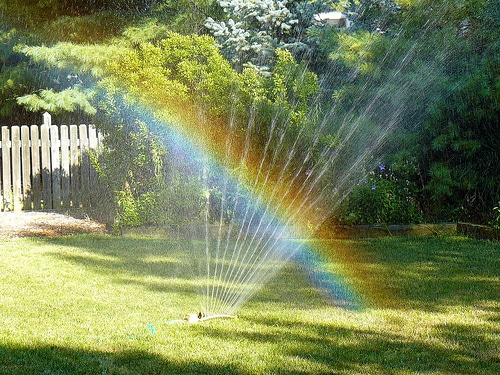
277	201
277	207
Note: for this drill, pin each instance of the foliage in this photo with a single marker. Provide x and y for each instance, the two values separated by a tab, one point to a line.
385	197
459	136
496	218
287	98
176	205
16	79
196	62
181	75
253	31
55	102
423	72
360	52
430	73
127	215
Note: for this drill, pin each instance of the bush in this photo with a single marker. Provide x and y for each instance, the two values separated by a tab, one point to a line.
496	220
383	197
177	205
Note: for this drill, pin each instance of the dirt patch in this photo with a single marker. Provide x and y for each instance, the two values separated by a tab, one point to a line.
46	224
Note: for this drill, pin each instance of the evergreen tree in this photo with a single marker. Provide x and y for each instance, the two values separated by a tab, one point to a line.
253	30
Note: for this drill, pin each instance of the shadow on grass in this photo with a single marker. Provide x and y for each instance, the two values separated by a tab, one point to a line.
353	350
60	360
149	263
422	273
427	273
166	265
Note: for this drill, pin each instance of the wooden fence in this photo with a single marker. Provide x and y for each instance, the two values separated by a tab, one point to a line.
47	166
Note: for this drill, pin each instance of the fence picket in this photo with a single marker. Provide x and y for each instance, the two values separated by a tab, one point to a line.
36	167
45	161
85	165
56	166
6	164
47	166
26	168
93	146
16	167
64	138
74	166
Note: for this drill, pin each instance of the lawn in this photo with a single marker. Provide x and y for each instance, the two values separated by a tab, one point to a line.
97	304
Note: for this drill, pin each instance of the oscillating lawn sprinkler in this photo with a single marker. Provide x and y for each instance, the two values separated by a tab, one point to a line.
201	317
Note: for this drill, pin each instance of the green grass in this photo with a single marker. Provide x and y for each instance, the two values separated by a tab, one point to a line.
82	305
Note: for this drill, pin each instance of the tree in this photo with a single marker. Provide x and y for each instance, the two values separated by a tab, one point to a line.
425	70
253	30
458	142
175	78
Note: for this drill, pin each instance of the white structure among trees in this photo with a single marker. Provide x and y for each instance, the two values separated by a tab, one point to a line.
335	18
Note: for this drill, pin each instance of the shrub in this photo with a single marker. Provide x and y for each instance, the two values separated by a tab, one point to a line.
383	197
496	220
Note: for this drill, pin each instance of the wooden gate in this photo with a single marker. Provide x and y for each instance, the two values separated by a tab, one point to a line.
47	166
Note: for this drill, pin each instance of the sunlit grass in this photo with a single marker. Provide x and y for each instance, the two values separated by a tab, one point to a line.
99	304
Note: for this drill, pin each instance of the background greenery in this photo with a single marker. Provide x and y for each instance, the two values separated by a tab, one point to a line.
426	72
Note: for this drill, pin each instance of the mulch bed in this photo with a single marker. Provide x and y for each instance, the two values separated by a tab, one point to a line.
46	224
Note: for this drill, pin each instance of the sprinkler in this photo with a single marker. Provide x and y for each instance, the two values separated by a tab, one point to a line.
201	317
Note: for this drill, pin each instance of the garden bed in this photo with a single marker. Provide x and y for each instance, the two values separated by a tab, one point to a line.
382	230
47	224
482	232
330	232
